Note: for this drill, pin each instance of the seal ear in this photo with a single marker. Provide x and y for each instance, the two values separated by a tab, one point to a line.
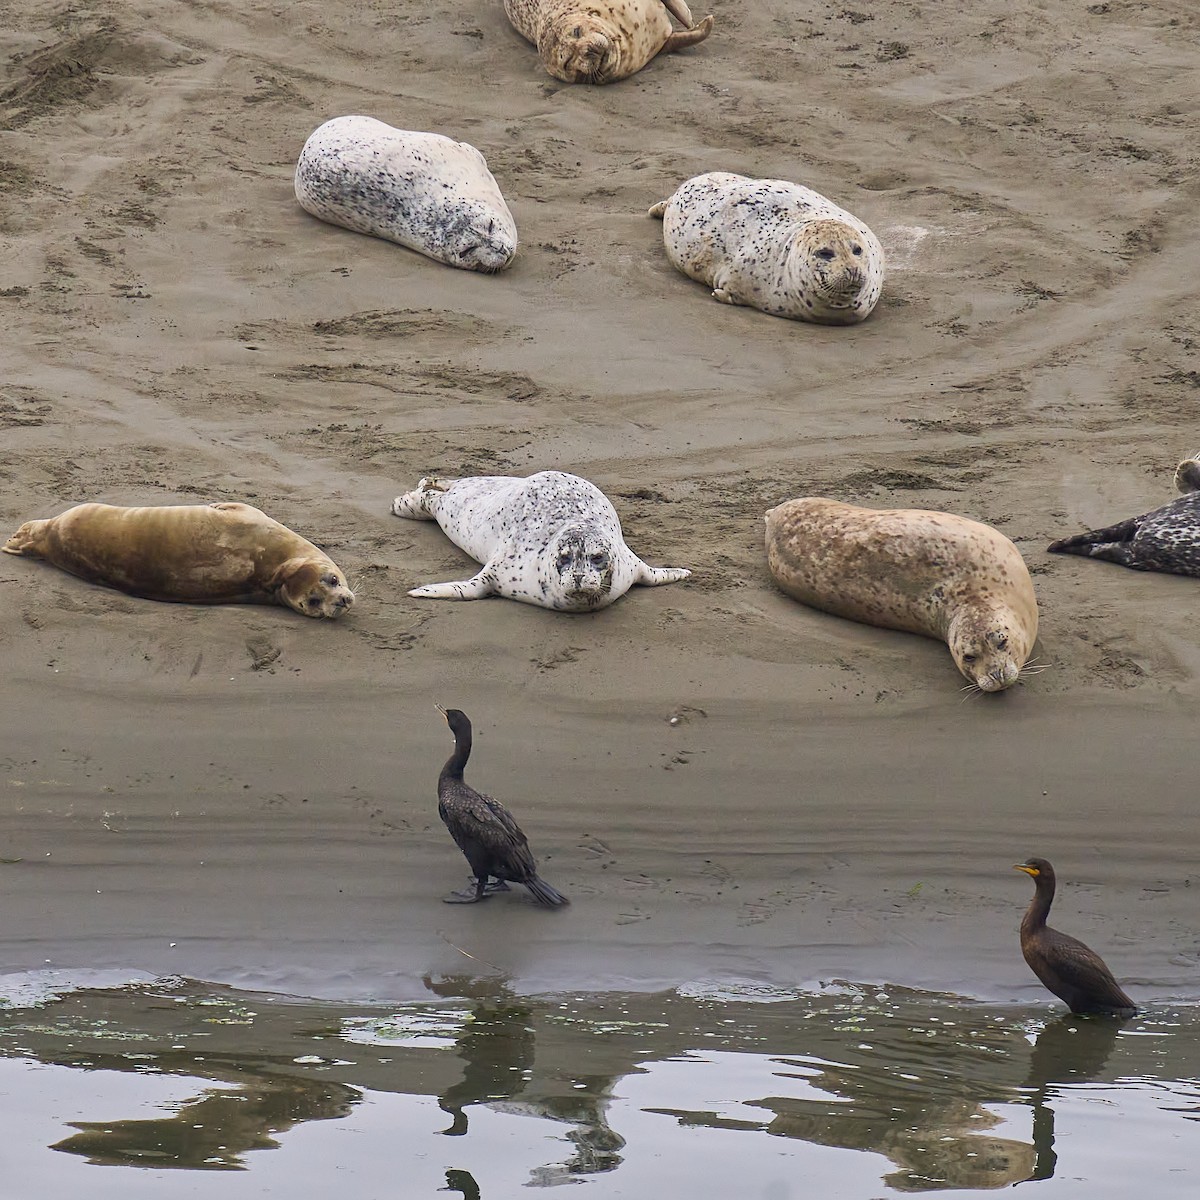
293	578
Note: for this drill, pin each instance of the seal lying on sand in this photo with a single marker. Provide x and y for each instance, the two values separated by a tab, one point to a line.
599	41
193	553
422	190
552	539
1166	539
926	572
773	245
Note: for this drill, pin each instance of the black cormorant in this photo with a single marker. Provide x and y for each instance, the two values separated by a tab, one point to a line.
483	829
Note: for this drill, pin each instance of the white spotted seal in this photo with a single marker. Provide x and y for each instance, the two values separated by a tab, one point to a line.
422	190
551	539
225	553
1166	539
773	245
925	572
599	41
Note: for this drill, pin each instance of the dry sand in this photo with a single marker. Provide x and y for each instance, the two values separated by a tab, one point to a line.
238	794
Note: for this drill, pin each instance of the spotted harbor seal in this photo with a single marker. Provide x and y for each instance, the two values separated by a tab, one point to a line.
926	572
223	553
551	539
773	245
422	190
1166	539
600	41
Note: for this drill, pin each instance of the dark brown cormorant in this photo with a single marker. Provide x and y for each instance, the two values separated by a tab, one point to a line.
1064	964
483	829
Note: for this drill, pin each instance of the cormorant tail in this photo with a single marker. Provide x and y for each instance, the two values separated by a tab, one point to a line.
543	893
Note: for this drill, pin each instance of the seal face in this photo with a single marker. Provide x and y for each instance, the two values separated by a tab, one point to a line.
600	41
773	245
551	539
225	553
421	190
932	573
1166	539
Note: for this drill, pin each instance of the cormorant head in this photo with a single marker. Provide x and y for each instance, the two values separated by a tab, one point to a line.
455	718
1035	867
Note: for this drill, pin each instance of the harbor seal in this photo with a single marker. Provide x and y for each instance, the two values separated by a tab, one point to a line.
773	245
600	41
422	190
1166	539
224	553
932	573
551	539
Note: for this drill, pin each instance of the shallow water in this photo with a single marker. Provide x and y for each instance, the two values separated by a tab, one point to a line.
186	1089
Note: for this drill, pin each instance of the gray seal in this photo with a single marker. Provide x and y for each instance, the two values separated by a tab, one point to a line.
773	245
551	539
1165	539
421	190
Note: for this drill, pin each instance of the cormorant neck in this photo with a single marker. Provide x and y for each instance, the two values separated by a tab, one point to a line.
458	760
1039	907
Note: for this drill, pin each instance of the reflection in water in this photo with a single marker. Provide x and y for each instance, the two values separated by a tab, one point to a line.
535	1089
1070	1050
462	1181
497	1045
214	1130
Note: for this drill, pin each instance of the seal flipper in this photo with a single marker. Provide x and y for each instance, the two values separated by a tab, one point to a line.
1096	543
657	210
475	588
683	38
22	541
414	504
650	576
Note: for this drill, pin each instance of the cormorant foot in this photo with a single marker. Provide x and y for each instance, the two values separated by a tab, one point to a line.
498	886
471	897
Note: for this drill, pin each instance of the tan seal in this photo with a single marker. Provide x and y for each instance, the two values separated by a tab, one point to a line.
903	568
599	41
773	245
223	553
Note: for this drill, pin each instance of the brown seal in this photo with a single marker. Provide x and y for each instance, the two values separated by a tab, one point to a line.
600	41
932	573
223	553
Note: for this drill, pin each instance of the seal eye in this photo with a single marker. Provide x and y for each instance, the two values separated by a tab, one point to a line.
856	249
598	560
825	253
577	31
969	657
313	601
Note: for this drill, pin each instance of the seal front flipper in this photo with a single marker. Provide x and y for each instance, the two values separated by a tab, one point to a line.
483	584
650	576
657	210
683	38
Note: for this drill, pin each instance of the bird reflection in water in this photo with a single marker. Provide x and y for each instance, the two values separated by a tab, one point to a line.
1071	1050
462	1181
497	1047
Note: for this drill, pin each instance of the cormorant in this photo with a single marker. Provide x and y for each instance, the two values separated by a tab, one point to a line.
483	829
1064	964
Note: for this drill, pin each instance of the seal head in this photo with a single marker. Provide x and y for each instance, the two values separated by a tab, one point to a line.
580	48
581	562
989	645
831	254
313	589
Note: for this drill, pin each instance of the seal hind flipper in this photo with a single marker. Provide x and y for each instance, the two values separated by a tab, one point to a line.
22	541
650	576
475	588
680	11
414	504
683	38
1093	541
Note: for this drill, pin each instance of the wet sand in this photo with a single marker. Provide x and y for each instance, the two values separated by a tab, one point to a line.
242	796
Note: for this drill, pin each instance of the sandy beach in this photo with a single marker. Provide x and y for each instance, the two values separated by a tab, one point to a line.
727	784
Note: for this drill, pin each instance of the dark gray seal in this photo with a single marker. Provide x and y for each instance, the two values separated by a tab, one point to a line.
1166	539
421	190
